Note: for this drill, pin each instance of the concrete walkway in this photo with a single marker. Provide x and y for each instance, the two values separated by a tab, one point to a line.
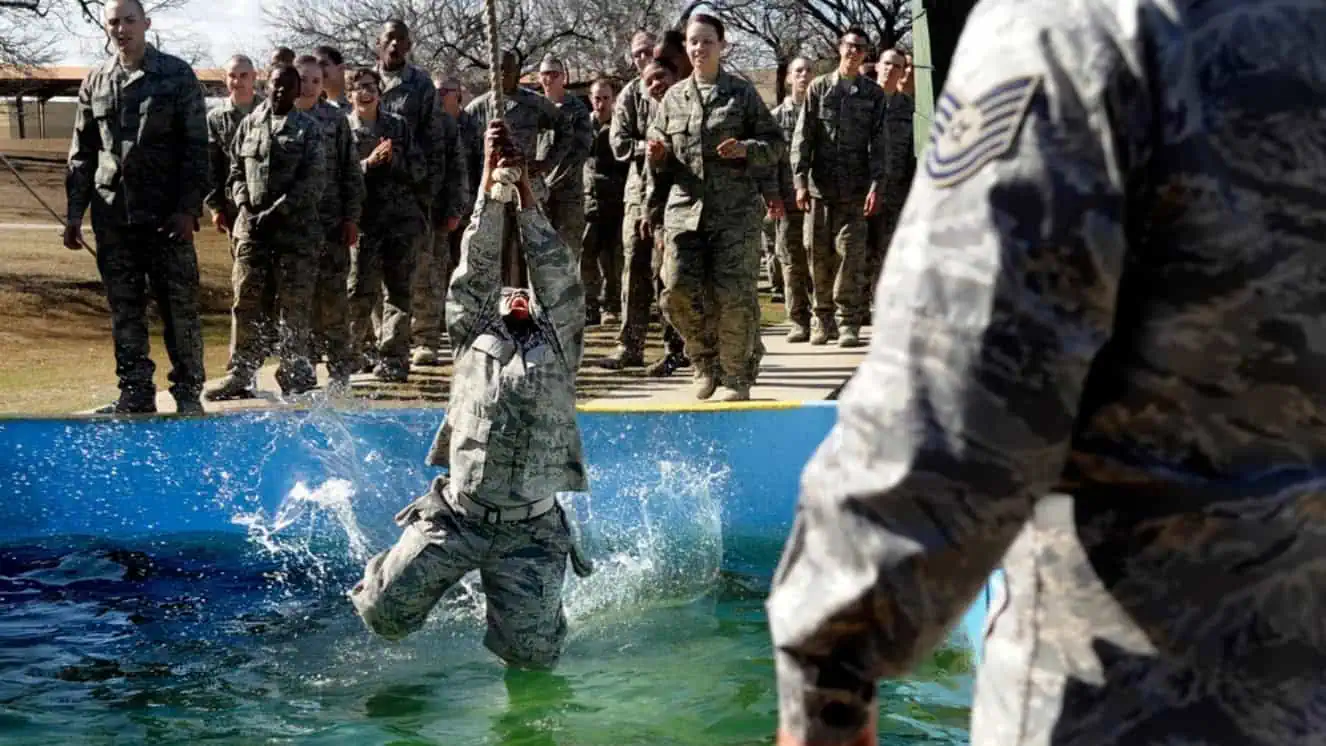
789	372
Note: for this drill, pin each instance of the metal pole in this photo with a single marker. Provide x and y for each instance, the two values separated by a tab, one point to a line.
43	203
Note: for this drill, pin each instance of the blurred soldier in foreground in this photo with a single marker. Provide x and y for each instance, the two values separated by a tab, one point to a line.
339	212
510	441
139	159
605	185
1101	370
276	179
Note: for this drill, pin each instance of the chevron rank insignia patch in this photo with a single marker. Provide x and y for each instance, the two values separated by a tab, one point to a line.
966	136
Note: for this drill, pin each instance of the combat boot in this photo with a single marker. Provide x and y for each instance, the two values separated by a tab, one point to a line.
132	401
705	384
733	390
392	372
798	333
189	407
668	365
424	356
593	317
612	318
232	387
819	334
621	359
850	337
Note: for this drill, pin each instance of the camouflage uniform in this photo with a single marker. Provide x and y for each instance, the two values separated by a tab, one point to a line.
471	151
899	166
510	442
276	179
528	115
601	261
222	122
630	118
410	94
838	155
711	226
342	201
789	244
137	157
384	258
1101	372
433	263
566	184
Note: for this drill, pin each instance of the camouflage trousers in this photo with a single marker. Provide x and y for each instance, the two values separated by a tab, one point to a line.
637	282
382	267
790	250
710	293
331	305
141	263
836	235
566	213
768	243
428	295
274	278
522	566
879	235
601	259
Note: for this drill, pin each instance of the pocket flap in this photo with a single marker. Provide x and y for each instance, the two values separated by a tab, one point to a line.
495	347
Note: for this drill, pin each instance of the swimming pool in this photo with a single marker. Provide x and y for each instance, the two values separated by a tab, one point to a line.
174	580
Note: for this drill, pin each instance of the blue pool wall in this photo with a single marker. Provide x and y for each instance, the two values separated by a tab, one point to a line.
120	478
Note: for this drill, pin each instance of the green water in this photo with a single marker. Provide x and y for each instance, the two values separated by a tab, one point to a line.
204	639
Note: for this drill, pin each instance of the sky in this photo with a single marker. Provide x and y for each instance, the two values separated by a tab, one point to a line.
221	28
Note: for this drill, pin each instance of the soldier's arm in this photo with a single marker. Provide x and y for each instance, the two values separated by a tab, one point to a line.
879	146
236	182
453	178
583	127
555	277
803	138
432	141
218	167
477	280
82	162
626	134
764	144
999	292
191	124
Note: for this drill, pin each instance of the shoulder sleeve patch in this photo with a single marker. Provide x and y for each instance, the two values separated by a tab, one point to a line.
966	136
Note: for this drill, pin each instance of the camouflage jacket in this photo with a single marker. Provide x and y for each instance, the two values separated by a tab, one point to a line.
510	437
528	115
412	96
343	195
139	149
471	151
279	171
222	122
605	176
692	126
566	180
630	123
391	188
1103	372
840	143
900	163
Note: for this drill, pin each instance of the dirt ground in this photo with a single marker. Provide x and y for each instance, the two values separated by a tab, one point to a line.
55	347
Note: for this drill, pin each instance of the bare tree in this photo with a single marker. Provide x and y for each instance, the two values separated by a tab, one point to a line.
591	36
887	21
29	29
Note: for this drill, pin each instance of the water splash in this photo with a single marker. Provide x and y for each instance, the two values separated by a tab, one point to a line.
329	505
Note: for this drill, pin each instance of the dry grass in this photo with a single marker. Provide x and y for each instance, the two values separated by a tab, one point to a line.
55	347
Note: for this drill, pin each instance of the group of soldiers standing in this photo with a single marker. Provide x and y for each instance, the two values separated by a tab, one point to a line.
343	194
